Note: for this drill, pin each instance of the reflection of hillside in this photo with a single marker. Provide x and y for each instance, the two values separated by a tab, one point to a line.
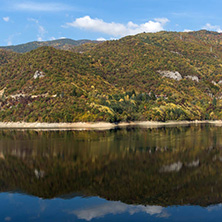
165	166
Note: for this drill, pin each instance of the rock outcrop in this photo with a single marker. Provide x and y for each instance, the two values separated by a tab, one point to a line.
38	74
2	92
194	78
170	74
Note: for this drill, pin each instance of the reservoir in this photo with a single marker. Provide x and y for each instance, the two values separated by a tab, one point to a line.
123	174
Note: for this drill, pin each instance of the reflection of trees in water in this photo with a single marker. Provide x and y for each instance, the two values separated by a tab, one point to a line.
177	165
34	143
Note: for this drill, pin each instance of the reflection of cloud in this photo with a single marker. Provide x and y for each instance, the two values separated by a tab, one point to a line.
163	215
116	207
214	207
42	205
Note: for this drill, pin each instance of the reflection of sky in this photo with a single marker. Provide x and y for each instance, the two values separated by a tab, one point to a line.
23	208
116	207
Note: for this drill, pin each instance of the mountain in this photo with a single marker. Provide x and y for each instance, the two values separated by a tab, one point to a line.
6	56
150	76
65	44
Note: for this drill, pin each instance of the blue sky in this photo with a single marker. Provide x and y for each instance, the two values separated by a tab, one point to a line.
22	21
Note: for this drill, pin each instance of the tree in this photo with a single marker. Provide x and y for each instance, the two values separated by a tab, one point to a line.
214	101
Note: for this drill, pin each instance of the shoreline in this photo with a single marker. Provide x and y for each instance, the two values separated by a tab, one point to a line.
101	125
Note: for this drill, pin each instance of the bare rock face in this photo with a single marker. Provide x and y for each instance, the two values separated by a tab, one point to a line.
213	82
38	74
170	74
193	78
2	92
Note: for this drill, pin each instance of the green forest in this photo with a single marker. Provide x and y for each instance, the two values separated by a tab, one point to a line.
150	76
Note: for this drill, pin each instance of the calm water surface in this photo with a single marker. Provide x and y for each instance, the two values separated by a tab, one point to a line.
132	174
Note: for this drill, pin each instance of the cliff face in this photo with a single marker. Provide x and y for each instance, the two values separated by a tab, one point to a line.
160	76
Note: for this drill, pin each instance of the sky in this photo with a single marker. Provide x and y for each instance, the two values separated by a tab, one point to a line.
22	21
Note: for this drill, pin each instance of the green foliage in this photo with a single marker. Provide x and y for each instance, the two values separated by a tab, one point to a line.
115	80
64	44
214	101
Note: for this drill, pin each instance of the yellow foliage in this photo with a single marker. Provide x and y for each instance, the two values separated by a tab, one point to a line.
102	108
126	98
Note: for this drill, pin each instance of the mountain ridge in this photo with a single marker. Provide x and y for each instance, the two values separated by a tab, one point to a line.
64	43
150	76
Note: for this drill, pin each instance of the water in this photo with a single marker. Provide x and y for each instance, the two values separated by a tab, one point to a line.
132	174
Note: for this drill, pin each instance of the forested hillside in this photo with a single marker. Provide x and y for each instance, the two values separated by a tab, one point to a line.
65	44
151	76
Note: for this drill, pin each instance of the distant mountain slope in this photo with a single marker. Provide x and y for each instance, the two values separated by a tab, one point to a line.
6	56
135	62
65	44
209	37
150	76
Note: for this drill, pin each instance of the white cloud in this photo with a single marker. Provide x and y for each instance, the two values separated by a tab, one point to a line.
210	27
43	7
39	39
101	39
118	29
9	43
113	38
6	19
187	30
33	20
162	20
41	29
11	37
116	207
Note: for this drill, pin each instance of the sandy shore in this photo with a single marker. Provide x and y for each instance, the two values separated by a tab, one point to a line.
98	125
